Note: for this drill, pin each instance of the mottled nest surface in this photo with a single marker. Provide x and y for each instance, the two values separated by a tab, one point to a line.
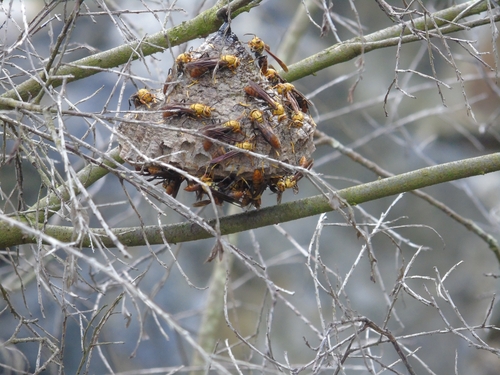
208	104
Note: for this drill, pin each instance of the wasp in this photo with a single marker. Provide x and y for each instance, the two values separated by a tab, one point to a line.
171	180
236	193
258	184
142	97
257	118
290	92
280	184
297	119
157	171
194	110
262	61
222	132
290	181
247	198
200	188
257	46
172	186
234	125
202	65
254	89
268	72
219	199
245	145
183	59
230	61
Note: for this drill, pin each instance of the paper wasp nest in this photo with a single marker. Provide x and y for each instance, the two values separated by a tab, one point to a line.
218	96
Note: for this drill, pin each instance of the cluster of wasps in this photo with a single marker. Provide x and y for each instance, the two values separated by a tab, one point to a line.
222	107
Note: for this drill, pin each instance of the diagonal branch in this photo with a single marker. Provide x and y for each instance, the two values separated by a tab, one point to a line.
445	19
199	27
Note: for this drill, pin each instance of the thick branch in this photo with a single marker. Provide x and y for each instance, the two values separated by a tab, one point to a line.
182	232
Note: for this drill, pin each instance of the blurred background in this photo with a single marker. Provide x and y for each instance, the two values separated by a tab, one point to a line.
326	269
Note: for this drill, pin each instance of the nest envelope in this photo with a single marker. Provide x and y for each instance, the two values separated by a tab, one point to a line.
218	103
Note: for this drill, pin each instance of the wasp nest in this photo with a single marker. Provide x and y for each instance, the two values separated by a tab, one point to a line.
219	105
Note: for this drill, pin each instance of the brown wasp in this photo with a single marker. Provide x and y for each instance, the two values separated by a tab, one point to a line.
183	59
297	119
281	183
236	192
247	145
254	89
202	65
200	189
248	199
257	46
230	61
157	171
294	97
142	97
171	179
268	71
193	110
221	132
258	184
172	186
257	118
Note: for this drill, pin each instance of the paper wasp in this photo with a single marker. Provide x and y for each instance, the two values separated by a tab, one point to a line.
257	46
142	97
257	118
236	192
297	119
245	145
183	59
280	184
194	110
293	96
254	89
202	65
258	183
268	72
172	186
171	180
218	195
222	132
200	189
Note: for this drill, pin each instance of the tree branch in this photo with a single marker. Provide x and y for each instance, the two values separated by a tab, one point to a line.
182	232
205	23
389	37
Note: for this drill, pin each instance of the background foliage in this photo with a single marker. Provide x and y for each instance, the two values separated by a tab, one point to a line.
100	271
